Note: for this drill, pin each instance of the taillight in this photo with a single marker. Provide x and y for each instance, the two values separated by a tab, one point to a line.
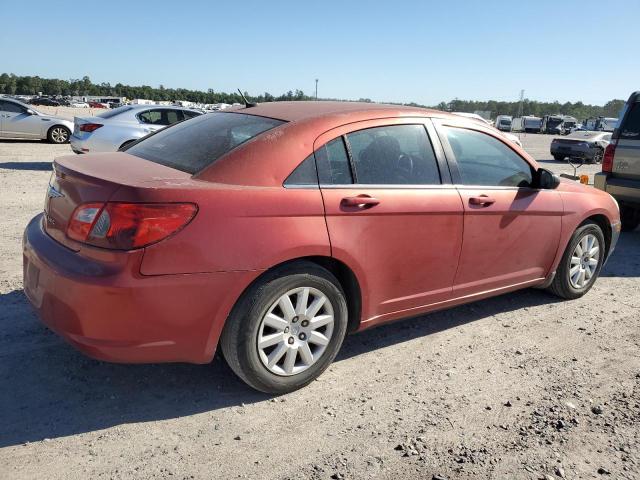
89	127
124	226
607	159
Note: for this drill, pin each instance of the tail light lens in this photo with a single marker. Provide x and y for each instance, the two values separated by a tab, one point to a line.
125	226
607	159
89	127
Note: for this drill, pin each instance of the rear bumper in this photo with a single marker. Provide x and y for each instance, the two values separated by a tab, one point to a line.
105	308
625	191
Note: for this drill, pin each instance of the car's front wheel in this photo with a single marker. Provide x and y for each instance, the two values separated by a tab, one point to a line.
286	329
58	134
558	157
581	262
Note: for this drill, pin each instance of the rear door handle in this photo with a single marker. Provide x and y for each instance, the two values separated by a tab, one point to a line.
361	201
482	201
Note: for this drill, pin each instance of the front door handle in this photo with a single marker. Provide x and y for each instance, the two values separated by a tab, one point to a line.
360	201
482	201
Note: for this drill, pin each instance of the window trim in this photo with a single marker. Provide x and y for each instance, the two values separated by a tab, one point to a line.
440	125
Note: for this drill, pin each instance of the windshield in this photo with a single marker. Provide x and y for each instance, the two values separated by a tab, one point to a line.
506	122
194	144
554	122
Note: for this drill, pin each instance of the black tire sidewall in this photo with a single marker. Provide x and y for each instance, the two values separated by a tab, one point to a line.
588	228
249	317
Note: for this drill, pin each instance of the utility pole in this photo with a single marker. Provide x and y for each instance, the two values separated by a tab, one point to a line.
316	89
521	103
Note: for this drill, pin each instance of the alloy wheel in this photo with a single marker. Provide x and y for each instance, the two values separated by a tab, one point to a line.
59	135
584	261
295	331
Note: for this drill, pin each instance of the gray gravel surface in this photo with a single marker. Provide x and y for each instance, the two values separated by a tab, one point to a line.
519	386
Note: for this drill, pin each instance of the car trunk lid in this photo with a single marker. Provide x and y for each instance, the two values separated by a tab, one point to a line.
95	178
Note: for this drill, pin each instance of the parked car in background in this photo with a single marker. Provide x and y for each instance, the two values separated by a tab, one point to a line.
49	102
503	122
115	129
98	105
584	146
552	124
79	104
527	123
19	120
569	124
600	124
620	174
273	230
475	116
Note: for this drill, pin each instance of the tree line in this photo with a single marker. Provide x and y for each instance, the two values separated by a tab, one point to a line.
11	84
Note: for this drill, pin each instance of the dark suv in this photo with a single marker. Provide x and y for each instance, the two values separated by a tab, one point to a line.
621	164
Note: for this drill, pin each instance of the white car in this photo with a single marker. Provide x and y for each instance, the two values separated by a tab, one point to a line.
114	129
19	120
79	104
509	136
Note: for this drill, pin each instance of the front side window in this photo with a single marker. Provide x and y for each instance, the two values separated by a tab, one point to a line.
192	146
485	160
393	155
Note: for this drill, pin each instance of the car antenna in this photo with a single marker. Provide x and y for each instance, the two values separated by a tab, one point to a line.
247	103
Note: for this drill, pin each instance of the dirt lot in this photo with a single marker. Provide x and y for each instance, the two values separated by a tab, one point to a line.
520	386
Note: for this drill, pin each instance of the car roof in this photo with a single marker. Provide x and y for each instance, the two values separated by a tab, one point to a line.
295	111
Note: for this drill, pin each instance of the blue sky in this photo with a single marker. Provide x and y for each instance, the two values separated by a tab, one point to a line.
423	51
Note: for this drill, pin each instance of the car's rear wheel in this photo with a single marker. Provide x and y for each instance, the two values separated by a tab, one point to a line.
58	134
581	262
630	218
286	329
558	157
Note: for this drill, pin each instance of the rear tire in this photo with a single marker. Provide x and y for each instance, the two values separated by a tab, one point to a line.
58	134
257	318
576	273
630	218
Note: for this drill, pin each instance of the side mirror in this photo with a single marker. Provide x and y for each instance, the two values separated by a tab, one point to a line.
547	180
30	112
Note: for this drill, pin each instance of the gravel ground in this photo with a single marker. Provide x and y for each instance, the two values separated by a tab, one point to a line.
519	386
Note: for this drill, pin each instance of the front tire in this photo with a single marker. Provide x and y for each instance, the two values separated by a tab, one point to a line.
286	329
58	134
581	263
558	157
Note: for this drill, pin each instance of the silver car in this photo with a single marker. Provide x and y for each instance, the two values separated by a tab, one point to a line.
115	129
585	146
19	120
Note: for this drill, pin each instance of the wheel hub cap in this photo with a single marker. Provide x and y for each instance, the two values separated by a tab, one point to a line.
295	331
584	261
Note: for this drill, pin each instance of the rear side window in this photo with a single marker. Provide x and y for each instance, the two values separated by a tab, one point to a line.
394	155
161	116
333	163
485	160
189	114
194	145
304	175
630	128
11	107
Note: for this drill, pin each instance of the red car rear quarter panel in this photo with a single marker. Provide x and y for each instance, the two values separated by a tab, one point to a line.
237	228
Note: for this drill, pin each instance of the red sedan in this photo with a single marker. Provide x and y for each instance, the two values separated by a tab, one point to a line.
274	230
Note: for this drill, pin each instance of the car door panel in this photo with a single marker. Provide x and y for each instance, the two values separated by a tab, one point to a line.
402	241
511	229
512	240
406	246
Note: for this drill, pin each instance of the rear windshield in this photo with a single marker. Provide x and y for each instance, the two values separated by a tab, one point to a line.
195	144
114	112
630	126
